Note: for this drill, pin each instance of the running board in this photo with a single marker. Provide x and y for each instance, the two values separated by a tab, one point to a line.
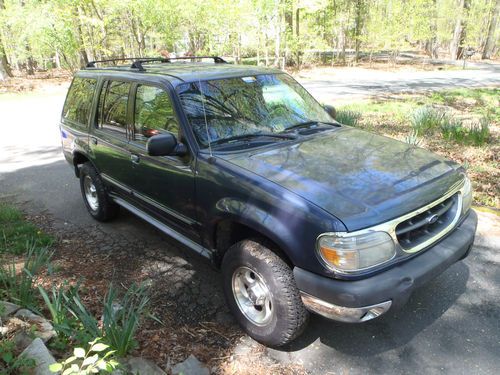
203	251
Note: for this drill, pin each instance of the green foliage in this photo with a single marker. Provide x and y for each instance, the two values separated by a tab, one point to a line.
426	119
17	285
98	359
477	133
120	318
348	117
413	139
16	233
10	363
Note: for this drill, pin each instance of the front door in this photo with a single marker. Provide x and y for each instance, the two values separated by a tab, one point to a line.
163	184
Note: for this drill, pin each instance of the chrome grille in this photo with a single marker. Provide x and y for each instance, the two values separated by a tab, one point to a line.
428	224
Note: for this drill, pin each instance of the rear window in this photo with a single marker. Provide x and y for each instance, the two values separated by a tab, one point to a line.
79	100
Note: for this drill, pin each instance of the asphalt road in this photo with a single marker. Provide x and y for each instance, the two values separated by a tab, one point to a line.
451	325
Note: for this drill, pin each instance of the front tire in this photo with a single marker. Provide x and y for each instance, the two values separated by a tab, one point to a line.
261	292
96	199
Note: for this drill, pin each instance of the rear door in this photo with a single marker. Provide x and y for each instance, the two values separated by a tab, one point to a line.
163	184
110	134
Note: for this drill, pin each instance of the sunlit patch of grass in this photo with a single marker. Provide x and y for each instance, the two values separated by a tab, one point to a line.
16	233
348	117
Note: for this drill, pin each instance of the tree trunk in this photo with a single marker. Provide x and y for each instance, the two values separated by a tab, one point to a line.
5	71
457	47
490	39
431	45
358	27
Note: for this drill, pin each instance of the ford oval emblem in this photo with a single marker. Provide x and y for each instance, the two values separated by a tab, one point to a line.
432	219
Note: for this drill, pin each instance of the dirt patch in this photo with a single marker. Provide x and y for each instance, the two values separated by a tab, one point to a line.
40	82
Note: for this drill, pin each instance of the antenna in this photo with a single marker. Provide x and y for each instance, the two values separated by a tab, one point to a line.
204	114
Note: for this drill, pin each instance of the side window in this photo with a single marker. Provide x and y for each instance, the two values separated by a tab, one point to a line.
79	100
113	103
154	113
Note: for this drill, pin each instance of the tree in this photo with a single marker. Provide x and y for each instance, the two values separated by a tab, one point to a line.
492	30
5	71
457	44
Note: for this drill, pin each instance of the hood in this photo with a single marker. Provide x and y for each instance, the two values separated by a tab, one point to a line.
361	178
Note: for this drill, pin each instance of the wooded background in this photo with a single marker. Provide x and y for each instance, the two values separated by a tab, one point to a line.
43	34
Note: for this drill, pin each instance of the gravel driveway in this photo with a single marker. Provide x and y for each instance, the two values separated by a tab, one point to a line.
451	325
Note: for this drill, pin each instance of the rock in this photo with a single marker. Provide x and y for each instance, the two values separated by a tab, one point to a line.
45	331
7	308
43	359
141	366
22	340
191	366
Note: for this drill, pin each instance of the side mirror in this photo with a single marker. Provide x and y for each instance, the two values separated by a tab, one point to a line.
165	144
330	109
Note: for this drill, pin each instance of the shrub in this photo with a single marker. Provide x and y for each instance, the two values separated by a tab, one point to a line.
17	286
426	119
413	139
97	359
348	117
477	133
10	363
120	320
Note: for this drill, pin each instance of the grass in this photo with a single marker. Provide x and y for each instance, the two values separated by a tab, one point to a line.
16	234
459	124
348	117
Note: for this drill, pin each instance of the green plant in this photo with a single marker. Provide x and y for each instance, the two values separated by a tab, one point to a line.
97	359
121	317
56	302
477	133
348	117
120	320
413	139
426	119
12	364
16	232
16	285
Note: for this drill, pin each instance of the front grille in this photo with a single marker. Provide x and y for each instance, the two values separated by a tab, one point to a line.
428	224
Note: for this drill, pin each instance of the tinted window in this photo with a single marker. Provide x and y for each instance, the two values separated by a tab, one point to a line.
79	100
113	106
154	113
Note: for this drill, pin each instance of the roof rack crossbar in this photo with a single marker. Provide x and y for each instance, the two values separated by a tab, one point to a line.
91	64
138	61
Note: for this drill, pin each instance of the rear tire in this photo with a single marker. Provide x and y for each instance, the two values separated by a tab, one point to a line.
261	293
95	197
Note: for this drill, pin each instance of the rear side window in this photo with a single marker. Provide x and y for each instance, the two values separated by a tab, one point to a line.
113	103
154	113
79	100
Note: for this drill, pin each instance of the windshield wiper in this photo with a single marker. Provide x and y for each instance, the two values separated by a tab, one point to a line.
243	137
308	124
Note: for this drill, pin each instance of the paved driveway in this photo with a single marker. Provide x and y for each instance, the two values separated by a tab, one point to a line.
452	325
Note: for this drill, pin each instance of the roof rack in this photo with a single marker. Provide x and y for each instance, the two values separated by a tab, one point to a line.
138	61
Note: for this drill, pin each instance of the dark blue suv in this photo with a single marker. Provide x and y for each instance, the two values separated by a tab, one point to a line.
245	167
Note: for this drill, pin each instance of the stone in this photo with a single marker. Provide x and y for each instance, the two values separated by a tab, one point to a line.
142	366
191	366
22	340
41	355
7	309
45	331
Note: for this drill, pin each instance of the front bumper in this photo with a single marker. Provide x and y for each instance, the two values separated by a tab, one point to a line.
365	299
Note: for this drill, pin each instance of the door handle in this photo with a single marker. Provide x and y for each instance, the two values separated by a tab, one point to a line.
135	158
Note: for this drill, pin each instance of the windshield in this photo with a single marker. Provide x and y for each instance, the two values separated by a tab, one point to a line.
235	107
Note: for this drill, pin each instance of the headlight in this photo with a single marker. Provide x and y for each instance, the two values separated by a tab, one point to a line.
466	195
347	253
